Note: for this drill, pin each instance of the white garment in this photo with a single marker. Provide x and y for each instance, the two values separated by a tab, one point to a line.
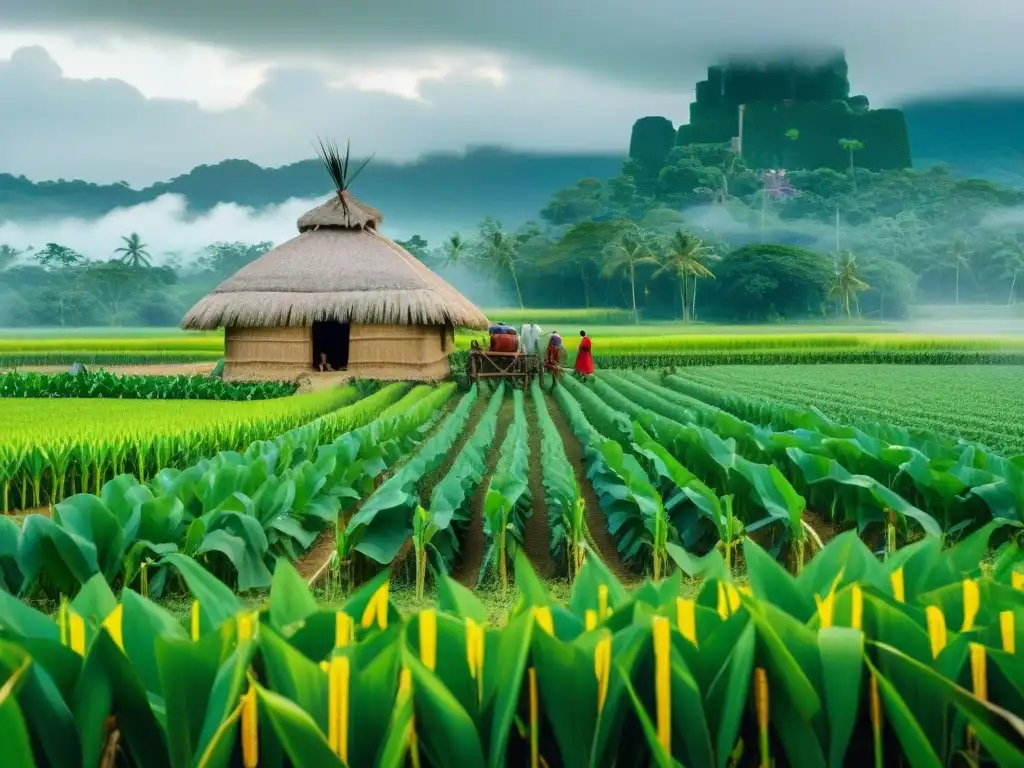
531	339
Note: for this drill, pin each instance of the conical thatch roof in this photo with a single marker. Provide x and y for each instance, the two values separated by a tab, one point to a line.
338	268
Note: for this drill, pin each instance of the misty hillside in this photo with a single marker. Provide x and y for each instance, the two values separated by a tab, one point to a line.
979	136
445	191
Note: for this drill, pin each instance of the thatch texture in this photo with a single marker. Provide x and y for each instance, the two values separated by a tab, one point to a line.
341	211
339	268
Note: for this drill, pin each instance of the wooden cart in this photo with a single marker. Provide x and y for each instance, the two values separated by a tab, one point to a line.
517	368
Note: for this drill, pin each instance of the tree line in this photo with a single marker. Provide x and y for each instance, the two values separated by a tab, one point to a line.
55	285
707	237
854	242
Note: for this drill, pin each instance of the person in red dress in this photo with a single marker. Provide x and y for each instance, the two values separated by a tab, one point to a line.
584	360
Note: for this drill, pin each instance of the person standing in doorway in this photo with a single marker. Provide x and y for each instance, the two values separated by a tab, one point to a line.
584	359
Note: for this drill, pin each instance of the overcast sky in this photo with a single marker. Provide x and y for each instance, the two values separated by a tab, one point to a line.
143	90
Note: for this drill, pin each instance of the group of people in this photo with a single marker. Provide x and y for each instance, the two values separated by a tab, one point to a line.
504	339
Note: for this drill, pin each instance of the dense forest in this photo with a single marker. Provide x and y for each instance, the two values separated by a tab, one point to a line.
708	238
798	222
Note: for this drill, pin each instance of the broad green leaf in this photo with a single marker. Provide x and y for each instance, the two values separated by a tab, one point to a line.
290	600
17	747
459	601
216	600
299	735
842	651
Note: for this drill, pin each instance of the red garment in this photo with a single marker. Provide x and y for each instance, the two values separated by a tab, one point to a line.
584	360
553	358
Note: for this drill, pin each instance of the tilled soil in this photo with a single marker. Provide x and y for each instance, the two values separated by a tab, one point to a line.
313	564
474	542
596	522
536	536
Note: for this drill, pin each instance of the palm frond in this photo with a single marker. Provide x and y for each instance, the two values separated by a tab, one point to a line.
339	167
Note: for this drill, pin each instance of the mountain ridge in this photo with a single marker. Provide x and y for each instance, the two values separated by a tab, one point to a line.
974	134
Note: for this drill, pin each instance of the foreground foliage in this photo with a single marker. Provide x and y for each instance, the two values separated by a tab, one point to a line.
234	512
853	663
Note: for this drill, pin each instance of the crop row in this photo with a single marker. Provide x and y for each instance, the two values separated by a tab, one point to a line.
677	454
979	404
958	484
52	448
129	387
100	357
235	512
914	661
181	343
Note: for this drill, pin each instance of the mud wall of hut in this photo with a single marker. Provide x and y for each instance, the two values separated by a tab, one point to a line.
267	352
400	351
417	352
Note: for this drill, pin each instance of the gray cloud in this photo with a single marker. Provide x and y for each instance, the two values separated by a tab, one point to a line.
896	48
105	130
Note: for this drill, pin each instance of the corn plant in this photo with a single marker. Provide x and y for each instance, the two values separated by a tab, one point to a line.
236	512
54	448
507	503
384	523
566	509
448	511
855	662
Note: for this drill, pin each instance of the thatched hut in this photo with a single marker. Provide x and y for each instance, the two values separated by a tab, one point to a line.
340	289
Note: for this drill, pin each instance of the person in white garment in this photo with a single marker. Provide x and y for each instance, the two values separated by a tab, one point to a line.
531	339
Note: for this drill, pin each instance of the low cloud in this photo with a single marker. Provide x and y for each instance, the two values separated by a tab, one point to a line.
164	225
106	131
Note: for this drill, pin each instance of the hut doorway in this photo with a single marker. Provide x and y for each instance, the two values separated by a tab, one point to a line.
332	339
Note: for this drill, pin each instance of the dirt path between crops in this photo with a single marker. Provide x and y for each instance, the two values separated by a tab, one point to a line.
474	542
536	537
596	522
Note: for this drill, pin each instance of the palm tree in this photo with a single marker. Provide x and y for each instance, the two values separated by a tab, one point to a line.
500	250
685	255
793	136
1011	260
133	252
454	249
851	146
625	253
960	254
847	283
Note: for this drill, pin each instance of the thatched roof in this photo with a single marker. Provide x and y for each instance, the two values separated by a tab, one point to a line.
338	268
341	211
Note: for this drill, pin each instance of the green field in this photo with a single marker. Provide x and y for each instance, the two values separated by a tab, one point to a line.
981	404
51	448
506	494
668	559
615	345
